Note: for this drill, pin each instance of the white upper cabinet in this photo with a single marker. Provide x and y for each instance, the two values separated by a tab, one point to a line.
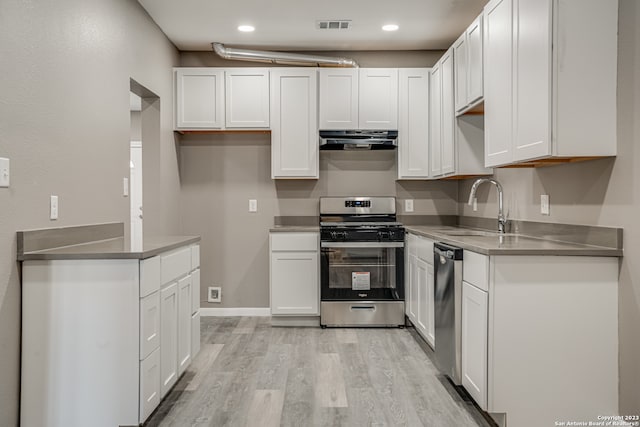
467	52
460	75
338	98
199	98
413	123
497	82
365	98
435	120
544	98
378	100
294	123
247	98
447	133
474	61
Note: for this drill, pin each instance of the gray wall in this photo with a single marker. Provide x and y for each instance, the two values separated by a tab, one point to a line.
64	123
602	192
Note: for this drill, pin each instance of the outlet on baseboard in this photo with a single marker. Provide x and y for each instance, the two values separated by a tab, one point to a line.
214	294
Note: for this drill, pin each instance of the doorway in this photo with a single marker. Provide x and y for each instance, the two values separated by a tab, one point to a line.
135	173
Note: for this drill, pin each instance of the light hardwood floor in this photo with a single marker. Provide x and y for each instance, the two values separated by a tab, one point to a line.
251	374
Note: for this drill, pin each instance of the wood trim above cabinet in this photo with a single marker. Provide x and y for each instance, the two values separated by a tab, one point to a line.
224	131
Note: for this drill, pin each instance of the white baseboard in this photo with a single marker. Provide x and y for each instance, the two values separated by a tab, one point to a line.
235	311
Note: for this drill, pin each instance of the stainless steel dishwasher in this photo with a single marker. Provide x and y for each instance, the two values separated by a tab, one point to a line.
447	262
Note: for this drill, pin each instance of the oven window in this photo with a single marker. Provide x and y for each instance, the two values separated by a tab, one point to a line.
361	269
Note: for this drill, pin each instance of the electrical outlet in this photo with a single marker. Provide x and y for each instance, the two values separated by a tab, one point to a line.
408	205
4	172
214	294
253	205
53	207
544	204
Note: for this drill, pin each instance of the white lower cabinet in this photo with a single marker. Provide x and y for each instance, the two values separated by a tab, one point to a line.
184	324
168	337
419	287
294	274
149	384
140	322
475	310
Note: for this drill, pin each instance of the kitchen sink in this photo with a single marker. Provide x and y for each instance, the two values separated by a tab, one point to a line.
468	233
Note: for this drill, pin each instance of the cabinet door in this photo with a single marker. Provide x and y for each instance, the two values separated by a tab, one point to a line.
532	78
423	306
413	129
378	100
247	98
460	77
448	115
195	335
184	323
338	98
474	342
294	123
149	324
149	385
294	283
435	122
474	61
431	309
168	337
195	291
497	83
413	290
199	98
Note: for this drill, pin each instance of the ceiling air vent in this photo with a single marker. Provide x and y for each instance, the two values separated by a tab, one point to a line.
343	24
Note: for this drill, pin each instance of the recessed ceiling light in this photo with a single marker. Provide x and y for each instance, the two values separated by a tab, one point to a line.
246	28
390	27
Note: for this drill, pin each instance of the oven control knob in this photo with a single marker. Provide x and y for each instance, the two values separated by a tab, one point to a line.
384	235
334	235
342	235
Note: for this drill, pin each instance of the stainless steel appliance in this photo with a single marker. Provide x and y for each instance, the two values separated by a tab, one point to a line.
362	262
447	261
358	139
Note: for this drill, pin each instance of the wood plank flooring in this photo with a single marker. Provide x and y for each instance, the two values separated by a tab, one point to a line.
251	374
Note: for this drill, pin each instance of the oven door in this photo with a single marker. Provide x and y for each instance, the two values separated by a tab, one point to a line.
362	271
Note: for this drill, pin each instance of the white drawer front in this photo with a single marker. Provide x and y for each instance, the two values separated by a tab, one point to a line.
149	324
149	385
195	291
195	256
294	241
475	269
149	276
425	250
195	335
175	264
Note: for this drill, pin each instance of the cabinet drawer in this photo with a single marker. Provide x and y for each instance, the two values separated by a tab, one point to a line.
425	250
195	256
175	264
149	276
195	335
149	385
149	324
294	241
475	269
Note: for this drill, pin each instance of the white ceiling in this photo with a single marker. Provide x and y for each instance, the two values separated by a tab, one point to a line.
291	24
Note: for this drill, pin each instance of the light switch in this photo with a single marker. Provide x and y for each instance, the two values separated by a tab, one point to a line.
544	204
408	205
53	207
253	205
125	187
4	172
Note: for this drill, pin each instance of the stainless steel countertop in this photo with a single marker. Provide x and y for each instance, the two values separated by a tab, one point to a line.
295	228
116	248
511	244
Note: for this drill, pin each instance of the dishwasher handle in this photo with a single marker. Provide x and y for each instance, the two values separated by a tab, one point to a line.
444	250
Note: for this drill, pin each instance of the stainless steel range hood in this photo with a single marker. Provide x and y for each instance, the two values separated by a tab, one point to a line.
358	139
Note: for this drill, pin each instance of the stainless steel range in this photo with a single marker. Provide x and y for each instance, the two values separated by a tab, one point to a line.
362	262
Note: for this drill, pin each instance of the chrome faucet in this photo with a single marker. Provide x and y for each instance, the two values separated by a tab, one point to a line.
502	219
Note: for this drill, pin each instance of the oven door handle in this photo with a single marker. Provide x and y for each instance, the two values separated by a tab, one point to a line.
361	244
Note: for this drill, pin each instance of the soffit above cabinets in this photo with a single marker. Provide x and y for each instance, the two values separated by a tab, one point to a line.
292	25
